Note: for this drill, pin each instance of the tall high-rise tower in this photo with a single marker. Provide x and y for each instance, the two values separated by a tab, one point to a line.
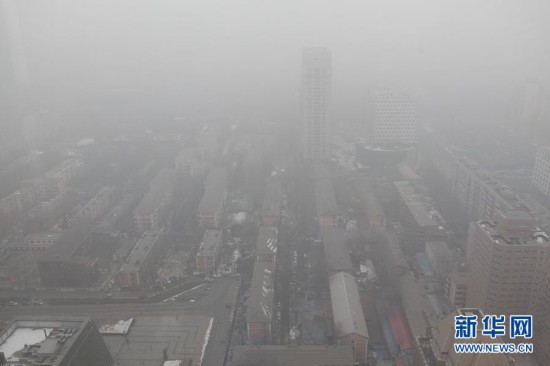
316	98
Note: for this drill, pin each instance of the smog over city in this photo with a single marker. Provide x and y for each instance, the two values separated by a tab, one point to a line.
278	183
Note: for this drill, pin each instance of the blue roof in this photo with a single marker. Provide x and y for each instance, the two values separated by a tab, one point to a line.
425	264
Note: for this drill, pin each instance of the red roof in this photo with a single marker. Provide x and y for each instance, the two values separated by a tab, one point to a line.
400	327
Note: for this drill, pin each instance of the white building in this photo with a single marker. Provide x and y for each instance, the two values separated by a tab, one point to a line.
541	172
391	117
316	100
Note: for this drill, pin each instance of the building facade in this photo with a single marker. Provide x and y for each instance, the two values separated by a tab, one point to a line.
316	101
505	257
347	314
150	212
140	265
65	341
392	118
209	252
541	172
211	206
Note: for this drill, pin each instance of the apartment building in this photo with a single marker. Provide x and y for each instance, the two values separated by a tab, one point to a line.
420	220
209	252
541	172
140	265
149	214
211	206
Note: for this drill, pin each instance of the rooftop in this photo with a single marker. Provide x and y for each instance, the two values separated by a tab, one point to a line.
42	340
337	256
286	355
160	190
440	249
267	241
143	247
421	206
260	308
346	306
210	244
535	236
214	190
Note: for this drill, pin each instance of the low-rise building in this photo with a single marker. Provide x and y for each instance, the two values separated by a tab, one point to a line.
337	255
210	210
54	182
56	341
347	314
149	214
209	252
443	259
140	266
95	207
266	244
421	221
260	311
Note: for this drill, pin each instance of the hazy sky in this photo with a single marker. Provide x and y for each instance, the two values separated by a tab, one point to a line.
247	53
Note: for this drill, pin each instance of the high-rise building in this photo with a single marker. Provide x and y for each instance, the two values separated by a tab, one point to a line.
316	101
525	122
391	117
505	257
541	172
12	44
56	341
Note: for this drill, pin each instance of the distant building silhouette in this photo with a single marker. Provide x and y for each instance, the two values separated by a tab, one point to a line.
316	101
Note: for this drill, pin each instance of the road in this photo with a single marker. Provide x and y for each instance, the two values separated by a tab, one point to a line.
212	303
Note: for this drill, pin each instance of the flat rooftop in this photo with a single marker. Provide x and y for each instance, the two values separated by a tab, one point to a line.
210	244
260	308
143	247
41	340
266	244
184	338
420	205
536	236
